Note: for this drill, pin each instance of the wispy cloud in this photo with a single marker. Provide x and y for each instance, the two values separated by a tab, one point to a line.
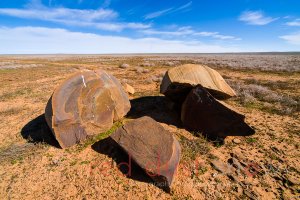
106	3
167	11
104	19
49	40
187	30
294	23
157	13
256	18
292	38
187	5
53	14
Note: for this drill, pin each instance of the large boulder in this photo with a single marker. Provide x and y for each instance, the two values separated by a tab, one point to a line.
152	147
178	82
86	103
203	113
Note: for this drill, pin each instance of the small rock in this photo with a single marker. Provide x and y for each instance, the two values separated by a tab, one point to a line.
236	141
146	64
293	181
55	161
157	79
128	88
222	167
124	66
170	63
146	70
149	80
142	70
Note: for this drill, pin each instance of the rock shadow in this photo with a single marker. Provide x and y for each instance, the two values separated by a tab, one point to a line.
124	162
37	131
159	108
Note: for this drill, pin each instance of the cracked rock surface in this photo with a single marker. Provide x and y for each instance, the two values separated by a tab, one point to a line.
87	103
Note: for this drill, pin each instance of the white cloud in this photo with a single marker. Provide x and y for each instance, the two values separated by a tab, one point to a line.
167	11
40	40
292	38
52	14
187	5
256	18
157	13
204	33
294	23
104	19
187	30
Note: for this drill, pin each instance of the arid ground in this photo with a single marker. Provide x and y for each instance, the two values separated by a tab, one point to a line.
265	165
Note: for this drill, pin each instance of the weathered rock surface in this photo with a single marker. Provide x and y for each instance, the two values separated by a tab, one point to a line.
203	113
178	82
152	147
86	103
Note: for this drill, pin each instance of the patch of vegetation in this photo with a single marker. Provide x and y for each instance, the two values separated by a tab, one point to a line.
12	95
192	148
11	111
251	140
262	98
84	162
74	162
99	137
16	153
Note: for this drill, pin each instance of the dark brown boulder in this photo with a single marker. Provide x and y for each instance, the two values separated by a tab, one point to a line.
86	103
201	112
152	147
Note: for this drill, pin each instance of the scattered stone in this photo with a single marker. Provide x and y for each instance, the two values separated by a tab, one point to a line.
222	167
128	88
152	147
146	70
124	66
157	79
147	64
201	112
236	141
170	63
179	81
141	70
292	180
251	194
149	80
235	163
87	103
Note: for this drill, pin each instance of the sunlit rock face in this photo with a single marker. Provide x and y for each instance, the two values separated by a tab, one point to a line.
152	147
87	103
178	82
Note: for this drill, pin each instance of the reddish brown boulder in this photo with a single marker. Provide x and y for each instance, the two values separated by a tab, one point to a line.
152	147
86	103
203	113
179	81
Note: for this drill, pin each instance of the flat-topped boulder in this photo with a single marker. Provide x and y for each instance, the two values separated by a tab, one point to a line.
201	112
178	82
85	104
152	147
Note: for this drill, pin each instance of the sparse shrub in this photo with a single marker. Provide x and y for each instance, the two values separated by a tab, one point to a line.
271	100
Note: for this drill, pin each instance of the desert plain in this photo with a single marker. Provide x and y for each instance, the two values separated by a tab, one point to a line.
265	165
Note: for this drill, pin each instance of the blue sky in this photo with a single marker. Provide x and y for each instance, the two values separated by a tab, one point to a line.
148	26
